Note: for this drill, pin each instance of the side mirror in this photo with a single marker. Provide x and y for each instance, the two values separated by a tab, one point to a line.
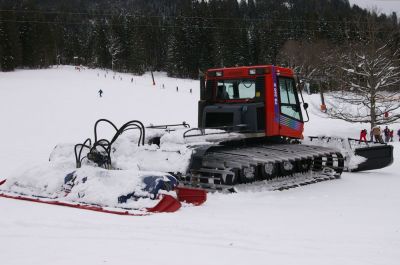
305	106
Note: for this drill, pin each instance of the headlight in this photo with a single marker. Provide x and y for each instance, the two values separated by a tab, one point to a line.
219	73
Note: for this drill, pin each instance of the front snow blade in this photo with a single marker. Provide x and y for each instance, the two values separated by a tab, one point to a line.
167	204
378	156
191	195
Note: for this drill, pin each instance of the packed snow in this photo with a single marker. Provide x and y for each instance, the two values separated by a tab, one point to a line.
354	220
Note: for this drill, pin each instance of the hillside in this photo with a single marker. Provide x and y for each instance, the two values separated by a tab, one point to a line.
182	37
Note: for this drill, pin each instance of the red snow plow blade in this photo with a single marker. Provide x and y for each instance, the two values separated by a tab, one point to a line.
167	203
191	195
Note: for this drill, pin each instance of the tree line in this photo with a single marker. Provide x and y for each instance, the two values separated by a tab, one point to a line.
183	37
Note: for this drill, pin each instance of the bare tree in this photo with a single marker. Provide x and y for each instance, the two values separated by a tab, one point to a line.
310	60
369	94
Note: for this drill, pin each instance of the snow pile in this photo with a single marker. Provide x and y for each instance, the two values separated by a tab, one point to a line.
91	185
168	157
45	180
103	187
60	179
354	161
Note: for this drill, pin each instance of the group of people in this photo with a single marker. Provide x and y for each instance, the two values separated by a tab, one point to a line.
376	133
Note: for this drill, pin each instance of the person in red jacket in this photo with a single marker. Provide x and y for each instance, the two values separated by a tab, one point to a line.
391	135
363	135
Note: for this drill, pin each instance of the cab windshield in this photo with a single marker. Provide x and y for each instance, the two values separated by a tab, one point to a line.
236	89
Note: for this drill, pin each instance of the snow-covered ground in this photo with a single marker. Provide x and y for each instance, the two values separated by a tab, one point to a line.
354	220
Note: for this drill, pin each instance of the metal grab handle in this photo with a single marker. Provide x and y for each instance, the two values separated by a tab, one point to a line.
302	99
166	126
227	129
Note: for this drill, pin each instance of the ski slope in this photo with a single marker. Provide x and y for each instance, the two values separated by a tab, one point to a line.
354	220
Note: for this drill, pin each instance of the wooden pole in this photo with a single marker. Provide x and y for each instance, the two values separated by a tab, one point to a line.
152	76
321	91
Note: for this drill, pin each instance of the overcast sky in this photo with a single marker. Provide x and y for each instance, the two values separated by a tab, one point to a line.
385	6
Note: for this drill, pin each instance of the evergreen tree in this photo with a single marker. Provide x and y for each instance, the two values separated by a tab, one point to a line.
101	55
135	47
10	47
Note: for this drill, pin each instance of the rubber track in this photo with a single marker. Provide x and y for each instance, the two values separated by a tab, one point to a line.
223	167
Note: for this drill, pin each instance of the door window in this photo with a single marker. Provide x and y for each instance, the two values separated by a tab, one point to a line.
289	101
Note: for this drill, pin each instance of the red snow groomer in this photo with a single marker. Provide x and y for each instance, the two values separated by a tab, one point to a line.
262	103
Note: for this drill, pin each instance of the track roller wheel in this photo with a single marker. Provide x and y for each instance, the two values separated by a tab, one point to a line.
248	174
303	165
287	168
268	171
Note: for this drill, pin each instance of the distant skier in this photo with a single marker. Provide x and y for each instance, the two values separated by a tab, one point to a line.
391	135
386	132
398	134
100	93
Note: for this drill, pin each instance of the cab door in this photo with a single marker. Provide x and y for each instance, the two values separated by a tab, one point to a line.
290	117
